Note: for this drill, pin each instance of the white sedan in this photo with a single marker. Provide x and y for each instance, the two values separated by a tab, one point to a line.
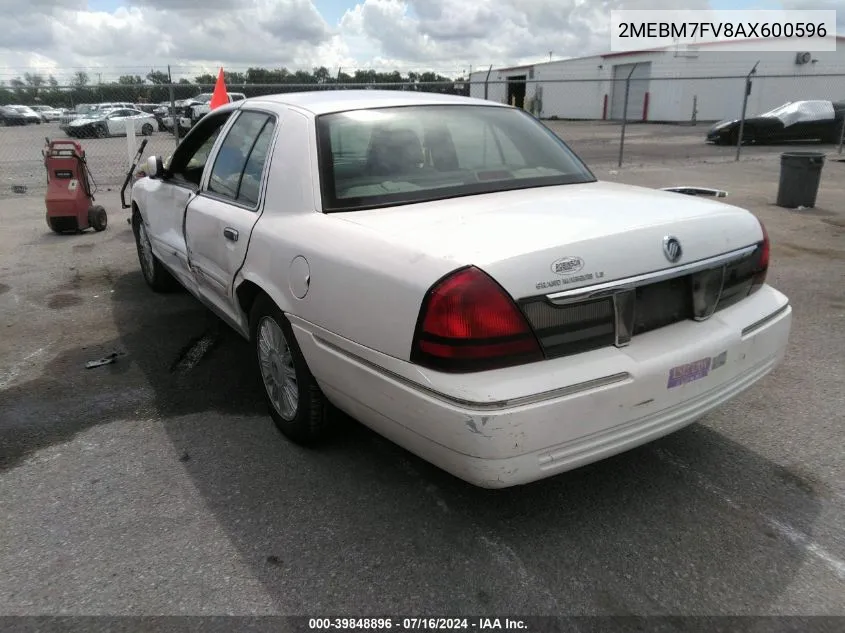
111	122
449	273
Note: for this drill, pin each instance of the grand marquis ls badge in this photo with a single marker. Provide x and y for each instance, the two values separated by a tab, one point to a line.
672	248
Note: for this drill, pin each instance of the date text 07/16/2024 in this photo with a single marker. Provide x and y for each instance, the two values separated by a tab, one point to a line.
415	624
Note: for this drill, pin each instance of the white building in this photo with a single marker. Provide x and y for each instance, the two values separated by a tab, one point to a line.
704	83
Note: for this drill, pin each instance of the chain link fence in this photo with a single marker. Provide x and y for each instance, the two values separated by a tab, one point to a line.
631	120
666	118
110	120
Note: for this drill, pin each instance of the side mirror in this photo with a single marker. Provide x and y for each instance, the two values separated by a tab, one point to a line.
155	167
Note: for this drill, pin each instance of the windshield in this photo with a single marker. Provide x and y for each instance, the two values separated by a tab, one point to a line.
400	155
778	110
802	111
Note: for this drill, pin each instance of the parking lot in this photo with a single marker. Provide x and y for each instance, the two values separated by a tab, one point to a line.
157	484
21	162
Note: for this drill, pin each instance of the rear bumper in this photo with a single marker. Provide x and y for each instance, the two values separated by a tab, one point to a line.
517	425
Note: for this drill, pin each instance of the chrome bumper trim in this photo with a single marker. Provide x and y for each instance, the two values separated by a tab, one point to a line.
759	324
599	291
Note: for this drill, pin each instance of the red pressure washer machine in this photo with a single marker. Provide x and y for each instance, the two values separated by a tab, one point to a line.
70	190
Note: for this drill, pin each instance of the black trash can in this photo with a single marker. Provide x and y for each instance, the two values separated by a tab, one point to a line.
800	175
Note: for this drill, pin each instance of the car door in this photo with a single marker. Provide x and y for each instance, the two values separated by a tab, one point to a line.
116	122
816	130
220	219
168	197
134	118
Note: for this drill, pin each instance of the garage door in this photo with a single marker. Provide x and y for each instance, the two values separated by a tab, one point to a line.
636	96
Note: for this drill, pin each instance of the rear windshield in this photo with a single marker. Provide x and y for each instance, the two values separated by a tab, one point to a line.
390	156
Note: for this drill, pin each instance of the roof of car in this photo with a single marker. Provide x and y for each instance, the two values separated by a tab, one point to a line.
324	101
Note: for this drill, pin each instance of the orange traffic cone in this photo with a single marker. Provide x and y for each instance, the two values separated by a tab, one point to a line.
220	96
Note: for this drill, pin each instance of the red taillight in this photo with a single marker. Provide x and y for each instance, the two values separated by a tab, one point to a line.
761	266
469	323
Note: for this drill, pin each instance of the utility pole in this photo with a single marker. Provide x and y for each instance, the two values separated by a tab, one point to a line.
744	106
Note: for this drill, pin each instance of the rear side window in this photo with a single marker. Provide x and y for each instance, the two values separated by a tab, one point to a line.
251	179
238	166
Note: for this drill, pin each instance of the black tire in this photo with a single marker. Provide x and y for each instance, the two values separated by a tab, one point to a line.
97	218
54	227
147	130
155	274
733	137
100	132
312	420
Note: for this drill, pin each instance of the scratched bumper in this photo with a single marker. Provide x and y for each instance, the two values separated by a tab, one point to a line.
604	402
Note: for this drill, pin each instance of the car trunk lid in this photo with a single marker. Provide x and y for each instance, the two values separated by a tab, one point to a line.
547	240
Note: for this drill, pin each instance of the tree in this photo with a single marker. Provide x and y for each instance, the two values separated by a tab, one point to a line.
158	77
321	75
232	78
34	81
17	85
153	86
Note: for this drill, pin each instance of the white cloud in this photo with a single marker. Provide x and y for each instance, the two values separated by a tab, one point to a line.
447	36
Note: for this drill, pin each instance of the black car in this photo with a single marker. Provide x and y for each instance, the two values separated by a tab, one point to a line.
11	117
794	121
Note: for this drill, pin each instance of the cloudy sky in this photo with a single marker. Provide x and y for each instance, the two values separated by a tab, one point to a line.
117	37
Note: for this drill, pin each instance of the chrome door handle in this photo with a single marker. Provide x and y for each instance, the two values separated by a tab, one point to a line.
230	234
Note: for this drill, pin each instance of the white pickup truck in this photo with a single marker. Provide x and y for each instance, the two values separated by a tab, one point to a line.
197	107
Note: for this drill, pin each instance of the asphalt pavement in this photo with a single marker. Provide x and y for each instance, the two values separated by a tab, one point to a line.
157	485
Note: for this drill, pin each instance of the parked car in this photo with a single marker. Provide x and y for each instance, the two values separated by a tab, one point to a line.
197	107
166	113
29	115
81	109
47	113
9	116
447	271
88	109
113	122
793	121
156	110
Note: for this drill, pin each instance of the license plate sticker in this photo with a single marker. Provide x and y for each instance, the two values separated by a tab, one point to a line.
683	374
719	360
